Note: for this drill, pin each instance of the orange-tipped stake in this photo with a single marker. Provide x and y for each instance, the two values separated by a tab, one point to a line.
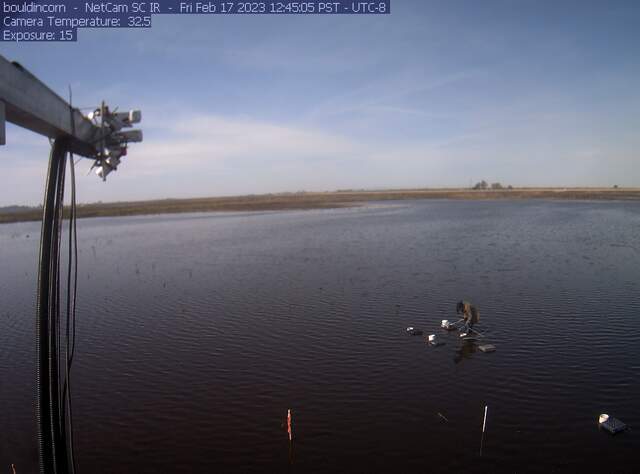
289	423
13	469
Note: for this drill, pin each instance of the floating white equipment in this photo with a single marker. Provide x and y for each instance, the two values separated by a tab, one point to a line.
487	348
611	424
449	326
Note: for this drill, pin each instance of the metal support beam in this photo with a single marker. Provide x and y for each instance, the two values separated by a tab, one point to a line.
3	125
30	104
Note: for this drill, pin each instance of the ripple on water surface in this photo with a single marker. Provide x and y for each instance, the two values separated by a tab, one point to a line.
197	332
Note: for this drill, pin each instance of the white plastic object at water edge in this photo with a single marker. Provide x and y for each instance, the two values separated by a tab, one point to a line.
410	328
432	338
604	417
445	323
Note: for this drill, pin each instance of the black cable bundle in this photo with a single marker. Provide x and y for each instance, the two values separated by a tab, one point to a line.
72	287
53	409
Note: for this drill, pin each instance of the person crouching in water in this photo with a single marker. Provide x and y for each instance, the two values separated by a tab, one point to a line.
470	315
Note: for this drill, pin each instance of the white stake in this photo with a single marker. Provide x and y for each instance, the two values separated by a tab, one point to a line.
484	424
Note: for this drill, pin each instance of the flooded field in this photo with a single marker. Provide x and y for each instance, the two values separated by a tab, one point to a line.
197	332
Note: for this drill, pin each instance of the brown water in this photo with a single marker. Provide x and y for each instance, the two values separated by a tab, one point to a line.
197	332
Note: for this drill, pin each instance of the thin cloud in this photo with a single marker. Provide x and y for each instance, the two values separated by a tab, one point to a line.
203	139
386	93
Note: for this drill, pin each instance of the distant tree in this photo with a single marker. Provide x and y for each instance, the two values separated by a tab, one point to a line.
496	186
615	186
509	187
481	185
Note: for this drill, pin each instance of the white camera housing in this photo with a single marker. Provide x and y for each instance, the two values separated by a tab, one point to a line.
128	118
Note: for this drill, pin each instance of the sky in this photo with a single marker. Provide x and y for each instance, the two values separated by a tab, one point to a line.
436	94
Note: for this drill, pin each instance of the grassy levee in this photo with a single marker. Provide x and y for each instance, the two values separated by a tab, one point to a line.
325	200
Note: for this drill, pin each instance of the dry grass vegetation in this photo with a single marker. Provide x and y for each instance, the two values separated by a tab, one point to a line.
269	202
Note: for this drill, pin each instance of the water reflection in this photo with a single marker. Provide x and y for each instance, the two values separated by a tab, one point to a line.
465	350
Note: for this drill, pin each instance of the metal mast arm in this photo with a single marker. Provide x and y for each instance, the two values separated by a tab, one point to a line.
29	103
